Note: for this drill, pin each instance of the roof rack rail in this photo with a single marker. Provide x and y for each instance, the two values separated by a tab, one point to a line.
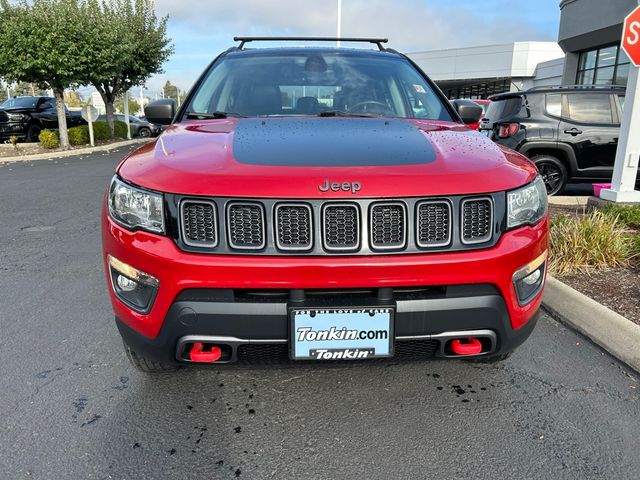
376	41
557	87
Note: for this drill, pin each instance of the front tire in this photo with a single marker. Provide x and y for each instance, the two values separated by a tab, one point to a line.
145	365
33	133
144	133
553	173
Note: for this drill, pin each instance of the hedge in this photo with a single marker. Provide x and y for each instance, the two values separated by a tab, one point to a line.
49	139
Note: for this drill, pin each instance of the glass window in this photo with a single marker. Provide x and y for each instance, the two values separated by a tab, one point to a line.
607	56
309	83
20	102
604	76
590	108
622	75
588	60
586	77
603	66
505	109
621	102
554	105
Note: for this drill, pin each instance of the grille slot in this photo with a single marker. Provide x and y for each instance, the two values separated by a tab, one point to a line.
433	223
477	220
388	226
245	226
294	230
4	118
199	223
278	353
341	227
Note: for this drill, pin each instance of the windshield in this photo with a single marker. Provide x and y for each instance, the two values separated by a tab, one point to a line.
20	102
288	84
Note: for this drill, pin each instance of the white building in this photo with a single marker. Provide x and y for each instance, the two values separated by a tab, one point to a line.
477	72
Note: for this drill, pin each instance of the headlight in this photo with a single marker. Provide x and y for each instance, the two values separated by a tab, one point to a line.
527	205
135	208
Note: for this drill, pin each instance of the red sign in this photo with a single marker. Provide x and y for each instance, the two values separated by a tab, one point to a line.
631	36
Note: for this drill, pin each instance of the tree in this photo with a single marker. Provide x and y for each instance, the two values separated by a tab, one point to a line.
41	41
133	46
170	90
133	105
73	99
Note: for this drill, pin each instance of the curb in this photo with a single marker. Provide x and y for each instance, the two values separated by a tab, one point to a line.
74	152
606	328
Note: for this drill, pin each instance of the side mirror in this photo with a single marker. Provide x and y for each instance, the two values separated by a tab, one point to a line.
161	111
469	111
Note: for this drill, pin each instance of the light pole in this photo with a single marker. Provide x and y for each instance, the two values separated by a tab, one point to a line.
339	28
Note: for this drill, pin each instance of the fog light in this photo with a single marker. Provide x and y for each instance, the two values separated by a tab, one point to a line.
133	287
126	284
528	280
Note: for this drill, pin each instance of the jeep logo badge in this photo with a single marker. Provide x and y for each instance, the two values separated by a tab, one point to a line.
353	187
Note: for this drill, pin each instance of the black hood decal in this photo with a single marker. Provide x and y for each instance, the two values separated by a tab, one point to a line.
330	142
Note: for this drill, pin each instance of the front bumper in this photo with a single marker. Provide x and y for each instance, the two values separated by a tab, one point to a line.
17	129
203	294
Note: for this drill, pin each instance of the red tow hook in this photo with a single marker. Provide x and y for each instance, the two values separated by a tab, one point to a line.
466	346
197	355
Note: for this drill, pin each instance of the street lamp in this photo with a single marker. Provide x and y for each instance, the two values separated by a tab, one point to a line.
339	28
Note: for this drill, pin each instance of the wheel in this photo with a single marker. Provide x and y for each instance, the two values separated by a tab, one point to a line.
144	133
33	132
553	172
145	365
494	359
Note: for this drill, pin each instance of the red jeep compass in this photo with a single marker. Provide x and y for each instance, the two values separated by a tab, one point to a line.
322	204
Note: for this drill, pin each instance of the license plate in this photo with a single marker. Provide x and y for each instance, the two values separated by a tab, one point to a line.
341	333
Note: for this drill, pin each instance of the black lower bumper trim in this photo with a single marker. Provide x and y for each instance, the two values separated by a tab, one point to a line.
472	307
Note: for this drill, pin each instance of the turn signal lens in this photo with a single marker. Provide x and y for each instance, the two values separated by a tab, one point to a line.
528	280
134	288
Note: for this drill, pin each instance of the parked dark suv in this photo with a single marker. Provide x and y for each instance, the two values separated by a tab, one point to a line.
26	117
570	133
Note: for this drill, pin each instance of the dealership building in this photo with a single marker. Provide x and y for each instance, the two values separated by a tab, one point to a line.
590	33
587	53
478	72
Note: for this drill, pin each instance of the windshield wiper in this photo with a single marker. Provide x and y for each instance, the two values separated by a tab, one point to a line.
215	114
339	113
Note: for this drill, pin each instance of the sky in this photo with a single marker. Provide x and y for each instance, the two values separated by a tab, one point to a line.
201	29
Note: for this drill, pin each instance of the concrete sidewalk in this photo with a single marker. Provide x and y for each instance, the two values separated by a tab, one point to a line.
606	328
73	152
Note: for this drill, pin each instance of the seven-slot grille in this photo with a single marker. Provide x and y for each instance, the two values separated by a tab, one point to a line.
294	229
388	226
319	227
433	223
199	224
341	227
477	220
245	225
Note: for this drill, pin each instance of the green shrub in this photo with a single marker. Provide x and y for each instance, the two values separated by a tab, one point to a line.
592	242
120	129
49	139
628	214
79	135
101	131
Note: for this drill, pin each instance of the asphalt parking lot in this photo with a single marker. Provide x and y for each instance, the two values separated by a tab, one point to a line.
72	407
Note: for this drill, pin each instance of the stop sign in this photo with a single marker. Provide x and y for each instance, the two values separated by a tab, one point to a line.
631	36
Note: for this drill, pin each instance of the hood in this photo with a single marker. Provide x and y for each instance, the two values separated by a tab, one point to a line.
17	110
310	157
